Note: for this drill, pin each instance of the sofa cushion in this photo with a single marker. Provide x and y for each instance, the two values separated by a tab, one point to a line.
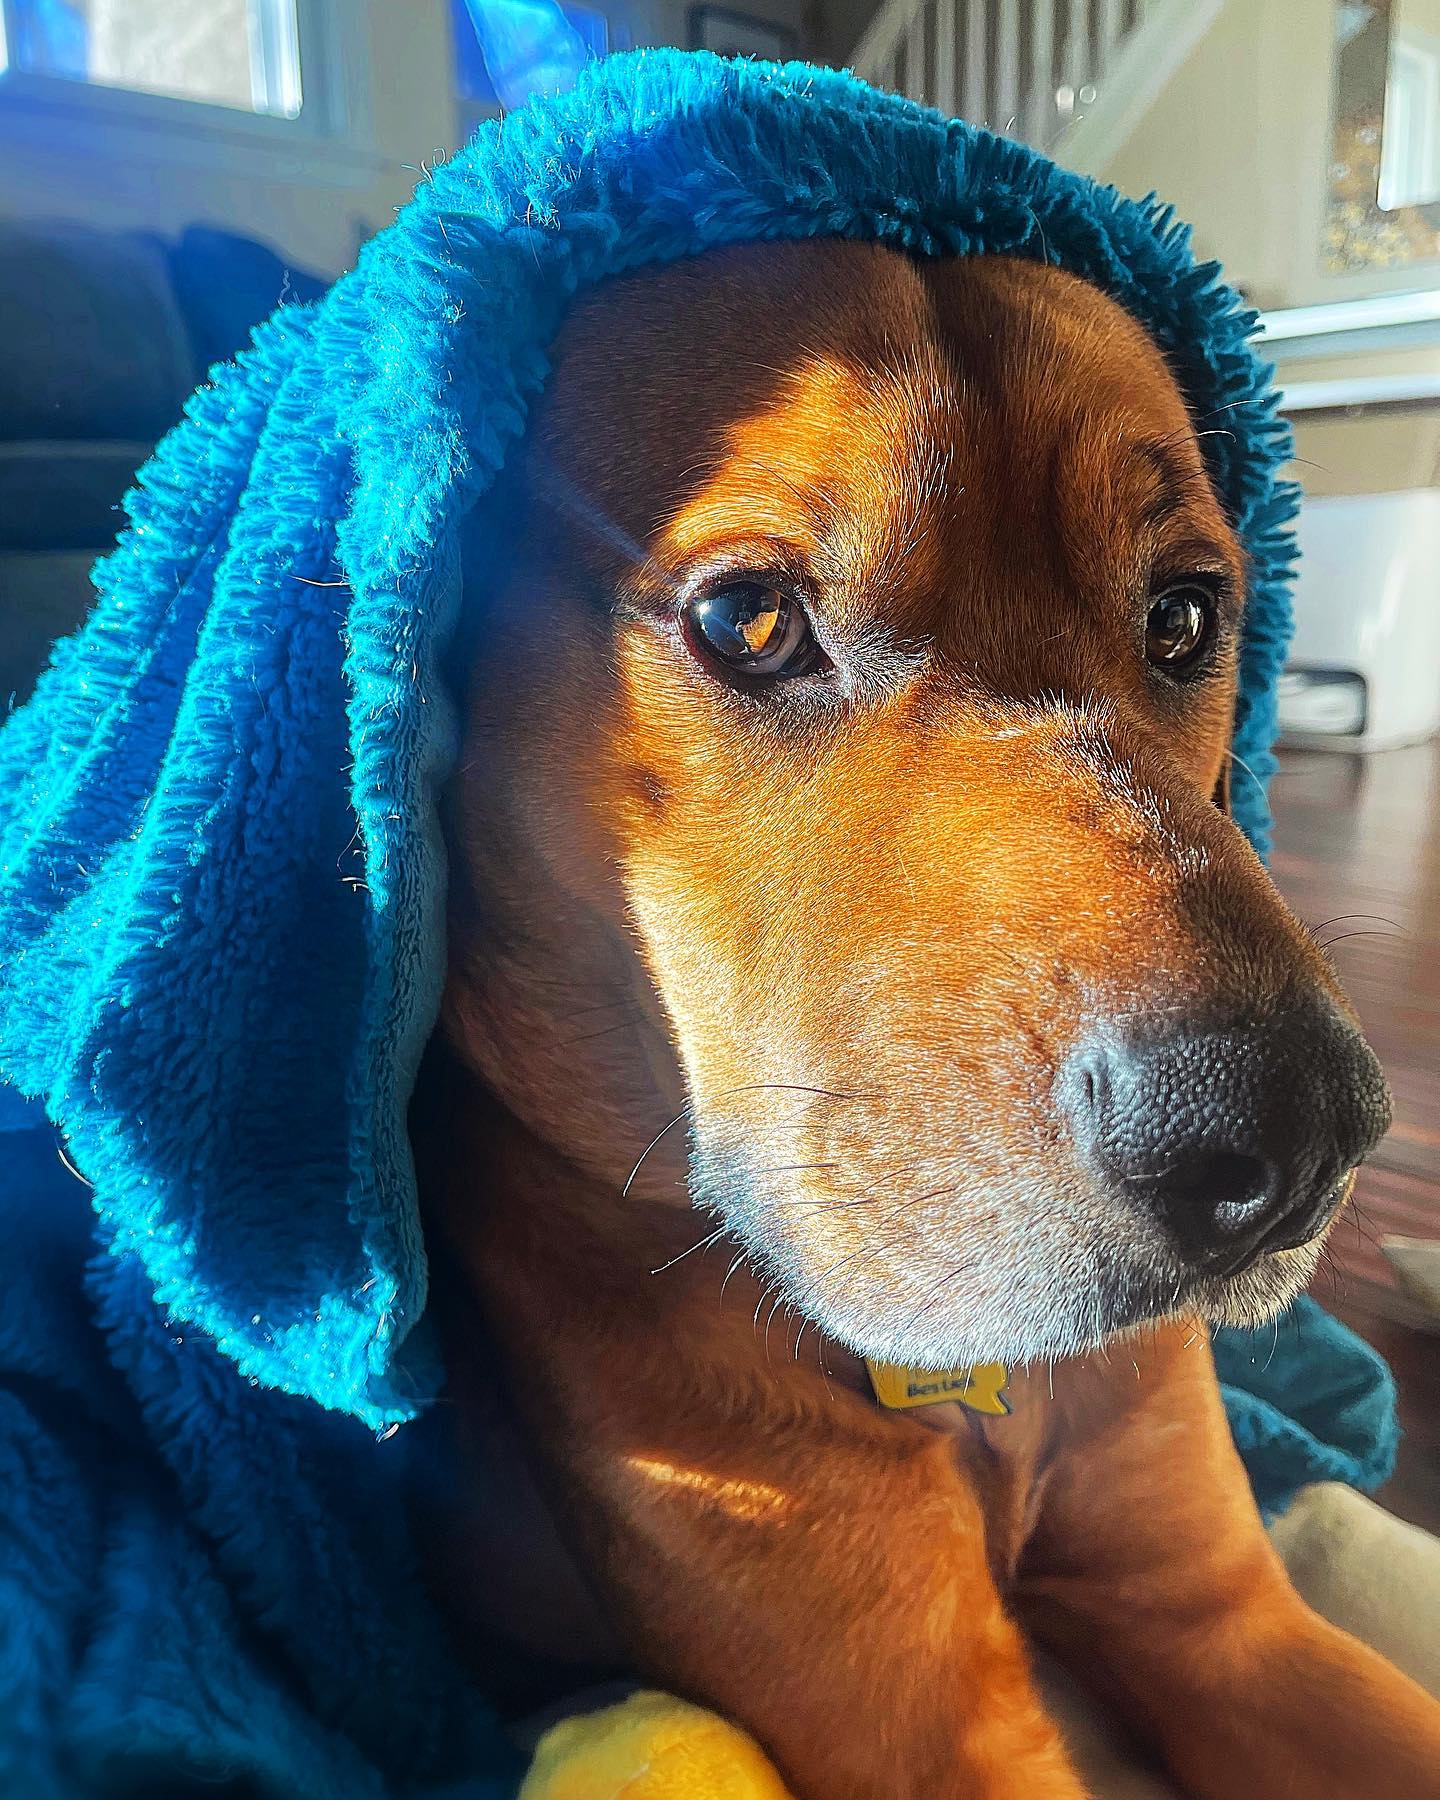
226	285
42	598
94	345
57	495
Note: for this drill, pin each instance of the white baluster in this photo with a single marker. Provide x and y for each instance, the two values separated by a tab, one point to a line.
1007	70
1075	68
922	61
1112	28
1040	109
976	108
947	37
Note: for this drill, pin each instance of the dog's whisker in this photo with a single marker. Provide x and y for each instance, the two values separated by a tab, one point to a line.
744	1087
1345	918
935	1292
582	1012
775	1305
589	1037
1330	943
704	1244
870	1247
741	1258
684	1113
1240	763
1274	1346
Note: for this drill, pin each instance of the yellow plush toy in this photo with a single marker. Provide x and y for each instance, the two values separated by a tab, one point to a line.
650	1747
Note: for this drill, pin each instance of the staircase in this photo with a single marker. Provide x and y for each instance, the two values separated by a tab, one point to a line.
1073	77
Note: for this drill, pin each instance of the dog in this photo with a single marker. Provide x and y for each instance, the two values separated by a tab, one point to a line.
851	961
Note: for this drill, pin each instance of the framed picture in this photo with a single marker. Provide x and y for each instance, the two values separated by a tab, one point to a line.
740	34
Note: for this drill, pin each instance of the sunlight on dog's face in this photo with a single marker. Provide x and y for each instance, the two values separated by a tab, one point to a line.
859	681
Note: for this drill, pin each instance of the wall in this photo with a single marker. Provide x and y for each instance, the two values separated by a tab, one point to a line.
1238	141
1366	449
838	26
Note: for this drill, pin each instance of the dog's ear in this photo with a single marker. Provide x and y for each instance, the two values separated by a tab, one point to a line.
1221	796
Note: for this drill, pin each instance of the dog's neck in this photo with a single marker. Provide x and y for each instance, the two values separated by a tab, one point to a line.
494	1188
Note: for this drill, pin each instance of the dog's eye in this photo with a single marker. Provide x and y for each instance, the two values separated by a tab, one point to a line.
753	628
1179	627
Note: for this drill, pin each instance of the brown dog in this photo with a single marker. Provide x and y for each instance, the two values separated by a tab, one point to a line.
836	818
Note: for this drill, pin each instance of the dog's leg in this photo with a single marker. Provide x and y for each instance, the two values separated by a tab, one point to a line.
1151	1575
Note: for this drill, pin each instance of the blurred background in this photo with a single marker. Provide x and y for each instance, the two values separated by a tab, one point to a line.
172	170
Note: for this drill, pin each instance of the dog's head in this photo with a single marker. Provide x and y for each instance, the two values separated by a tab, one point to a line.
844	776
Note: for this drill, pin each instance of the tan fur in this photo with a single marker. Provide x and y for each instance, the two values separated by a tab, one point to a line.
829	955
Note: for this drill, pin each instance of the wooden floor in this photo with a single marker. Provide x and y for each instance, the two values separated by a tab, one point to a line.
1357	850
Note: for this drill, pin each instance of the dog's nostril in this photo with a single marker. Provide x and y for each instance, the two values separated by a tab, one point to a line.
1232	1183
1085	1088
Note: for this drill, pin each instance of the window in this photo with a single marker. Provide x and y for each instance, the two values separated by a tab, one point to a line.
242	54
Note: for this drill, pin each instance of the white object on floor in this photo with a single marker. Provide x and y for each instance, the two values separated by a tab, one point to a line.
1364	670
1417	1262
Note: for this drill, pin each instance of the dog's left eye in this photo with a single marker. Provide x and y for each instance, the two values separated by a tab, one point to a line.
1179	627
753	628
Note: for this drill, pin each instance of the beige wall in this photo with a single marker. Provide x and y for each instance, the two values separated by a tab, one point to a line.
1374	451
1240	141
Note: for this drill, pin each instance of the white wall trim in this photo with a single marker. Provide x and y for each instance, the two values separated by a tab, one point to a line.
1359	390
1374	312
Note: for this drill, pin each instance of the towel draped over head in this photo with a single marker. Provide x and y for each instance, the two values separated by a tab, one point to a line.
221	877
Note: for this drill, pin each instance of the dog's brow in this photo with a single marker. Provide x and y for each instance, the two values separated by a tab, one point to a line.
562	493
1175	476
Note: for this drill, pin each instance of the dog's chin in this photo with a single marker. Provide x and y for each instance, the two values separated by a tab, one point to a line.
1037	1314
1255	1295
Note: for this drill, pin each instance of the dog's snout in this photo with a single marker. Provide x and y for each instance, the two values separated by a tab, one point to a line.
1236	1138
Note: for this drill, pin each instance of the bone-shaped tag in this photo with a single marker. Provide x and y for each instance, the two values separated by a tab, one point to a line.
980	1387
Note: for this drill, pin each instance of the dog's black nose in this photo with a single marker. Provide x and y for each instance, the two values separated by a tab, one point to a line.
1237	1138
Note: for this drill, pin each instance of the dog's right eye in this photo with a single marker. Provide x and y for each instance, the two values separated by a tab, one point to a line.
754	629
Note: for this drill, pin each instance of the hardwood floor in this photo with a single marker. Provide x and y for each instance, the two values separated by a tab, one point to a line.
1357	852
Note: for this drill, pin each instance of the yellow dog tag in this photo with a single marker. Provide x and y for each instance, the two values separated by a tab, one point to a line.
981	1388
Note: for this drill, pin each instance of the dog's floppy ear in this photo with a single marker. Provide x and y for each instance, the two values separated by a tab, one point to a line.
1221	796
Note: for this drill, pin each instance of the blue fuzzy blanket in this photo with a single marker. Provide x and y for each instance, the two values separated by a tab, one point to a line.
221	937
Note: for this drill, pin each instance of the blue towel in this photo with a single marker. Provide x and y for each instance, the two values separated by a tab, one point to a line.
1307	1401
220	914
